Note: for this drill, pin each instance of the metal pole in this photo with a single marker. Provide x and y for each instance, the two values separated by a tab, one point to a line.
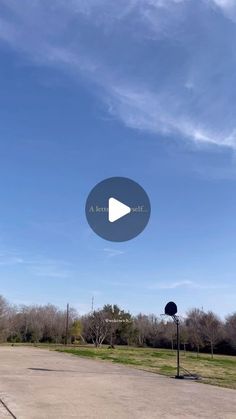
178	347
67	323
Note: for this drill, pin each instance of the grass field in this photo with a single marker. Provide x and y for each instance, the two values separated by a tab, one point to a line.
220	371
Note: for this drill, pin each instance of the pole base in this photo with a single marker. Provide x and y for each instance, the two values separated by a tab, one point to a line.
179	377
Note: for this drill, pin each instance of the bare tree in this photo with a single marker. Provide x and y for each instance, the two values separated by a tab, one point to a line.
98	327
170	333
38	324
154	331
193	326
4	318
142	325
184	335
211	329
230	329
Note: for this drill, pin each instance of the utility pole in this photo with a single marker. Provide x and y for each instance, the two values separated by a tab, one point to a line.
92	303
67	323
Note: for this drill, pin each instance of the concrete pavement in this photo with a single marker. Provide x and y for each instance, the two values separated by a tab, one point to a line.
42	384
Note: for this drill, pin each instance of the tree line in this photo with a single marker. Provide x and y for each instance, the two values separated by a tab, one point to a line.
200	331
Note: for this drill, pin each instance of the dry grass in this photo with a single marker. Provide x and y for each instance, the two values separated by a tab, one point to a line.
220	371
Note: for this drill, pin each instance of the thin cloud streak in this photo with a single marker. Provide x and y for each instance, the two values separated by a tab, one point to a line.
184	284
113	252
36	266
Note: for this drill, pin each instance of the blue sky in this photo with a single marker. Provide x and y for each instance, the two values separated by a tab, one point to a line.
136	88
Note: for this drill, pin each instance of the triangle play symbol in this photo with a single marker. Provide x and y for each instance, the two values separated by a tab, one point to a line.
117	210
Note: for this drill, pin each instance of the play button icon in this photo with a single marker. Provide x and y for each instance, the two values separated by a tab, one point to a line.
118	209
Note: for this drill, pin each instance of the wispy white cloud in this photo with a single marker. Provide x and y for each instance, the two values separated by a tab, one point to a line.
50	270
162	66
227	6
146	111
184	284
112	252
172	285
8	260
35	265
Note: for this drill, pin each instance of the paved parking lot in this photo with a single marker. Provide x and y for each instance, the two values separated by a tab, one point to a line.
41	384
